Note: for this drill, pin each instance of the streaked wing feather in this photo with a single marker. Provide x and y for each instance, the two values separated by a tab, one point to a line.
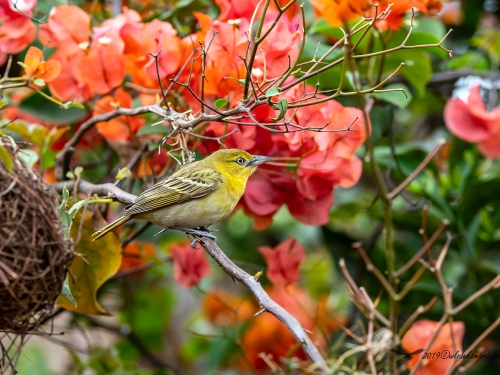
191	182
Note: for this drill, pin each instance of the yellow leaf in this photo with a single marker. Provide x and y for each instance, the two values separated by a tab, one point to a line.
5	157
32	132
95	262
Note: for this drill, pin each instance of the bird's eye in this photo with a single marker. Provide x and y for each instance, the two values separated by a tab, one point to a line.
240	161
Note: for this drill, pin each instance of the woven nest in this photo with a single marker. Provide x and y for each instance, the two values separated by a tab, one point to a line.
33	251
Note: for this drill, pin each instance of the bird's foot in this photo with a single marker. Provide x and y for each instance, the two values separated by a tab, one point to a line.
205	229
195	232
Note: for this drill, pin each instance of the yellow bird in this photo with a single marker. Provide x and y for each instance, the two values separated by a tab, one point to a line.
196	196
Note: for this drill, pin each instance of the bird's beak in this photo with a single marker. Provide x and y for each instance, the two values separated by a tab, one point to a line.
257	160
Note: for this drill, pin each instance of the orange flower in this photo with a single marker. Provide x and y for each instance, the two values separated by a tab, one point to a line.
119	128
70	84
268	335
161	36
336	12
283	261
418	337
224	309
68	28
38	68
190	265
223	60
103	68
136	254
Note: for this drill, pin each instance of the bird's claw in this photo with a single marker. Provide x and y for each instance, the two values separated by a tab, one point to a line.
205	229
198	234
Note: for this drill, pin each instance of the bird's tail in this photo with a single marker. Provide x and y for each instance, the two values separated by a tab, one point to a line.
110	227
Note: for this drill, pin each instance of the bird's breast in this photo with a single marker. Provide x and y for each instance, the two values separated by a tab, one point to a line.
198	212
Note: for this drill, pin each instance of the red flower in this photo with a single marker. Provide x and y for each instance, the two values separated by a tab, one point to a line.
190	266
283	261
473	123
418	337
327	160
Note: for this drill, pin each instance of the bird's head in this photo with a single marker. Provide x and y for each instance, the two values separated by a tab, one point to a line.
237	163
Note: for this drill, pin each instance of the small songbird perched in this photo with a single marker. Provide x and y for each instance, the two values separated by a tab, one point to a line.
196	196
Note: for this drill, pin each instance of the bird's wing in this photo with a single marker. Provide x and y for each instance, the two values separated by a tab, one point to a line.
192	181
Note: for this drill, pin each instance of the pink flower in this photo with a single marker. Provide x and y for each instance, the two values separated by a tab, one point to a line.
16	30
190	265
283	261
473	123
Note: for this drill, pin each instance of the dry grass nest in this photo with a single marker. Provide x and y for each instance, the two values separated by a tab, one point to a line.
33	251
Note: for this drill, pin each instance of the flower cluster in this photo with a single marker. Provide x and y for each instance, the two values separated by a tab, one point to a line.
113	65
339	11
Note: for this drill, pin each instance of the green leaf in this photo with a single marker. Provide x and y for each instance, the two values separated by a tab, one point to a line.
219	103
73	105
417	69
67	292
34	133
152	129
74	209
45	110
97	261
123	173
469	60
78	171
23	65
39	82
6	158
418	38
398	98
67	216
66	221
29	156
273	91
476	196
282	106
321	26
430	25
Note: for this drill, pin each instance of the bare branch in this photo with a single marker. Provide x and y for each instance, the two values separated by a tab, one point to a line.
108	190
64	156
393	194
230	268
266	303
